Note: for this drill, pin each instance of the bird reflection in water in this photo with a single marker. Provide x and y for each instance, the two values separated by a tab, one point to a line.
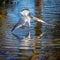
26	42
28	47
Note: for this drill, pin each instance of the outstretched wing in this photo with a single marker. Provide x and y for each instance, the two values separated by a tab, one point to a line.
39	20
19	24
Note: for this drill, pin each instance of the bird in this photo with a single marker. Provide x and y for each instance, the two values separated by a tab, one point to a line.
26	18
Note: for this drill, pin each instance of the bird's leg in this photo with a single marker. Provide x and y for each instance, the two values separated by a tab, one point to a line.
29	24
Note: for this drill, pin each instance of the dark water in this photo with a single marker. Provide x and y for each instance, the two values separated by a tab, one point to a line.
40	42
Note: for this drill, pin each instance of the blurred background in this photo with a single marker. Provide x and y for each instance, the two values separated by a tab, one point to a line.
41	42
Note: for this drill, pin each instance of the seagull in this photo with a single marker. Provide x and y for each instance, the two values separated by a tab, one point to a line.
26	18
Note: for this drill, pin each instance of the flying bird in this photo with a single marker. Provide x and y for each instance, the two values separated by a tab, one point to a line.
26	18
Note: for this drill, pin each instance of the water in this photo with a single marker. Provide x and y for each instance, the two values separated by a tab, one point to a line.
40	41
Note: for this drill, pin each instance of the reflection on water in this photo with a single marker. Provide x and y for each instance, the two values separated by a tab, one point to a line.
40	41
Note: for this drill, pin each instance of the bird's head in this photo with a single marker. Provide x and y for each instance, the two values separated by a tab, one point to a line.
25	12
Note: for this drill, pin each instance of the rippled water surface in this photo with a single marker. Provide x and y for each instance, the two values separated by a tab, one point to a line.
40	41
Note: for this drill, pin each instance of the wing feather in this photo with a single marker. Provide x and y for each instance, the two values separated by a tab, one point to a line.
19	23
39	20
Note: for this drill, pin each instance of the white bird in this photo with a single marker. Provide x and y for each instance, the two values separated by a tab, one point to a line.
26	18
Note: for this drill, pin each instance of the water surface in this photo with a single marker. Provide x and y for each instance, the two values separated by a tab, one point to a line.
40	41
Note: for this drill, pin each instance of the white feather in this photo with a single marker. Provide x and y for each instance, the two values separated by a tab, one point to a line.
39	20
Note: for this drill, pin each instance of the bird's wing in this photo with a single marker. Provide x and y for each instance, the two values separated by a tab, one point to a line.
39	20
19	23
